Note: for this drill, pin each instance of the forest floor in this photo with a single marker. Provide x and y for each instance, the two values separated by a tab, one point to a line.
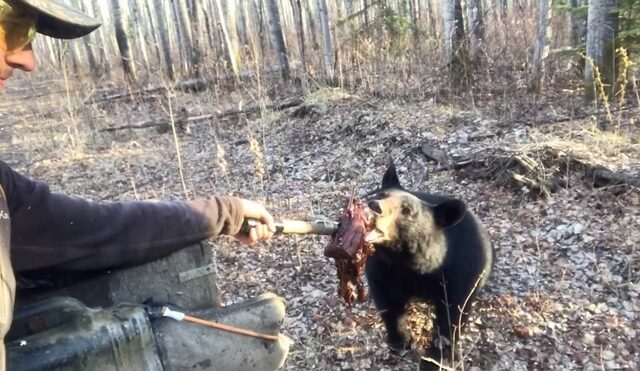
565	291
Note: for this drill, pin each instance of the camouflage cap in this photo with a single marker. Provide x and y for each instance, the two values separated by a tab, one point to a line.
59	20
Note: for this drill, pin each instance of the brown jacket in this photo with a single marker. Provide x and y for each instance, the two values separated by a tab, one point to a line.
42	230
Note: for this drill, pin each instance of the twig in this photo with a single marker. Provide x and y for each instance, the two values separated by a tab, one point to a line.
177	145
443	367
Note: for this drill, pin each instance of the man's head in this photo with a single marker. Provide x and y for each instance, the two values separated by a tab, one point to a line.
20	20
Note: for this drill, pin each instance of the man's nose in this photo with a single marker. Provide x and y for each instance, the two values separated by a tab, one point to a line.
23	59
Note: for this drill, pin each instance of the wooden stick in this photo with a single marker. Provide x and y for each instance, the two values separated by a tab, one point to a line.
229	328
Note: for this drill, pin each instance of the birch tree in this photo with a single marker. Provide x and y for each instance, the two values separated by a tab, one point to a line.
196	40
456	53
365	13
275	29
297	11
431	19
541	48
232	53
577	23
120	20
476	26
164	49
327	50
602	25
311	20
86	43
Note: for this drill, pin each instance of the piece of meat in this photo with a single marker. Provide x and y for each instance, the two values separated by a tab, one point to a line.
350	251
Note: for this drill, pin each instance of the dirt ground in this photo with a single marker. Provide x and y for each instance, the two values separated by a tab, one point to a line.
564	293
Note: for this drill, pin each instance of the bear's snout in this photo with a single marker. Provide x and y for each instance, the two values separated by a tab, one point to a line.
375	206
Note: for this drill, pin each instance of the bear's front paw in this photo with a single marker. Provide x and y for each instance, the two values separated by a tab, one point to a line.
399	349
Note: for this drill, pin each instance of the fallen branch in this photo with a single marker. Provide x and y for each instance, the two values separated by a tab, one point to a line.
582	116
288	103
433	153
531	183
601	177
129	94
188	85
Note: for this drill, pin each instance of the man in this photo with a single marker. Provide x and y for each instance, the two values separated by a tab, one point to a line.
41	230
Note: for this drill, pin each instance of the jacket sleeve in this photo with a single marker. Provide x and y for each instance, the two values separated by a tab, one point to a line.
51	230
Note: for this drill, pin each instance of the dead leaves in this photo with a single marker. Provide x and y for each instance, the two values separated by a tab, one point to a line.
564	293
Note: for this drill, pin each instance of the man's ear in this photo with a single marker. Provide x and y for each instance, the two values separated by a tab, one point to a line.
449	213
390	178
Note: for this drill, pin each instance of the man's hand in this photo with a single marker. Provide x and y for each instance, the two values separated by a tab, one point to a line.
261	232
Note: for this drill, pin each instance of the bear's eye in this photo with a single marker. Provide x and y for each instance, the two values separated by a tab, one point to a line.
380	196
406	210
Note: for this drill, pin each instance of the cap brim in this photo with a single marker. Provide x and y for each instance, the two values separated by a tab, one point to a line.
61	21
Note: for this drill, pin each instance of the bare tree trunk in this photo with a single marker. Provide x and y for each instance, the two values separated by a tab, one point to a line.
231	15
152	32
297	11
209	23
120	21
413	9
578	24
91	59
196	27
74	55
541	49
261	36
253	30
137	29
451	27
242	24
602	26
326	39
311	21
98	38
475	18
456	50
232	53
365	13
158	18
278	38
431	19
184	44
171	33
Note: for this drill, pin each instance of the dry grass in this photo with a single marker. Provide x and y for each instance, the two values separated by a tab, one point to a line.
588	143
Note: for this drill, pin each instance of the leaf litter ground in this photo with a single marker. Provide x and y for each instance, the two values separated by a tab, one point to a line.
564	292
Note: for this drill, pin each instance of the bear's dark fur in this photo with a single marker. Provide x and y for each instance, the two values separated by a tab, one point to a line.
427	247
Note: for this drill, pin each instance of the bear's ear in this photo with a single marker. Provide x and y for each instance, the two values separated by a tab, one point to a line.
390	178
449	213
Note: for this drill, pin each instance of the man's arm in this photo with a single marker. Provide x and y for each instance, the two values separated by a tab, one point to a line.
51	230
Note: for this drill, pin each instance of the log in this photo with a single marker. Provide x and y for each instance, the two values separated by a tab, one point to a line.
434	153
601	177
166	124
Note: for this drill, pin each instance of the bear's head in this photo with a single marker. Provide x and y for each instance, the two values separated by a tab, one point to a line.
404	223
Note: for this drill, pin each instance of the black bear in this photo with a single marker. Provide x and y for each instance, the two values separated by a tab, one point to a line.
427	247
